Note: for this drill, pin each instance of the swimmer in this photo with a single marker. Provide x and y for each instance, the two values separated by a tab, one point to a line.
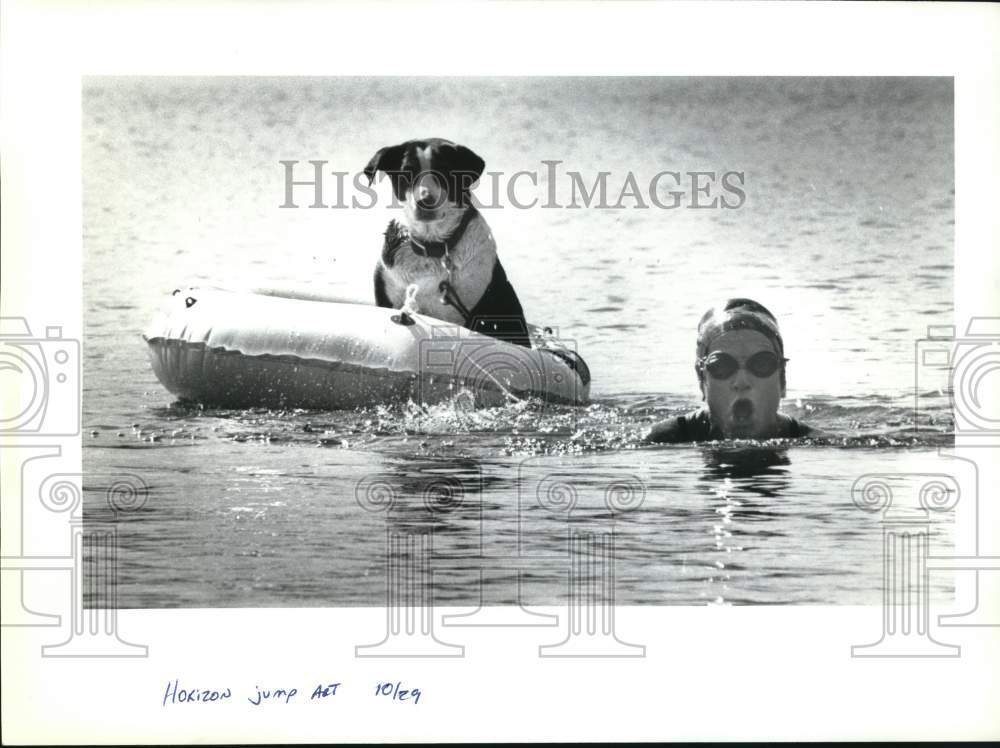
741	372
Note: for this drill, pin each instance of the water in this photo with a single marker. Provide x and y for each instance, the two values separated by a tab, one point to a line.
846	235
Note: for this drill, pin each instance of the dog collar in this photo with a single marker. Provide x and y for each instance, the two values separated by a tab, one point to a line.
436	250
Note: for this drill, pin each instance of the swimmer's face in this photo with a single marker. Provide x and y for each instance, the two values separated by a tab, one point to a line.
742	405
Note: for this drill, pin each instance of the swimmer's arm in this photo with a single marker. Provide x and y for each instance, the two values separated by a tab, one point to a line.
793	428
666	432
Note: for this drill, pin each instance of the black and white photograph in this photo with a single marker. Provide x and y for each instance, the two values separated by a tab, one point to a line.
370	370
724	277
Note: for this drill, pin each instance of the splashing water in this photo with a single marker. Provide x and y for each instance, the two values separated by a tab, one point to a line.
532	427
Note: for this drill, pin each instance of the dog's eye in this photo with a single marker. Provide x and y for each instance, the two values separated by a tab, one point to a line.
409	167
400	179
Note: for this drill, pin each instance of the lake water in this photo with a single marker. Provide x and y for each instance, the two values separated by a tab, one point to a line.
846	233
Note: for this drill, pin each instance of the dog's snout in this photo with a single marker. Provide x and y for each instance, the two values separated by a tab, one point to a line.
428	197
428	192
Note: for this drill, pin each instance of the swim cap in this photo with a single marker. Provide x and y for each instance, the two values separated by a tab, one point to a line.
738	314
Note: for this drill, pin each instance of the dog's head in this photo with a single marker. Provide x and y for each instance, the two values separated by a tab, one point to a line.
432	179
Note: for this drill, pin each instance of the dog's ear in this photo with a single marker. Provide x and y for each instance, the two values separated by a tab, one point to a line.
468	162
385	159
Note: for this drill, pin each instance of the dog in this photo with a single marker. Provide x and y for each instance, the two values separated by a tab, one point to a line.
441	259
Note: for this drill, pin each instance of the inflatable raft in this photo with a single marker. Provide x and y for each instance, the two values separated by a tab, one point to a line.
237	350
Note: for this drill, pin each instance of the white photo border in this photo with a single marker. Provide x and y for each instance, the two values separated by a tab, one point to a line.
709	673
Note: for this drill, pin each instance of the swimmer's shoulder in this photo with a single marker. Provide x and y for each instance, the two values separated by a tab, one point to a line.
696	426
791	428
690	427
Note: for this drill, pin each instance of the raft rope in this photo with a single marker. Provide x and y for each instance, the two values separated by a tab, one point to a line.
450	297
448	293
410	306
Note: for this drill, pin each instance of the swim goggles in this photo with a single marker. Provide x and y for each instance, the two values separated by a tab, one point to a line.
722	365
